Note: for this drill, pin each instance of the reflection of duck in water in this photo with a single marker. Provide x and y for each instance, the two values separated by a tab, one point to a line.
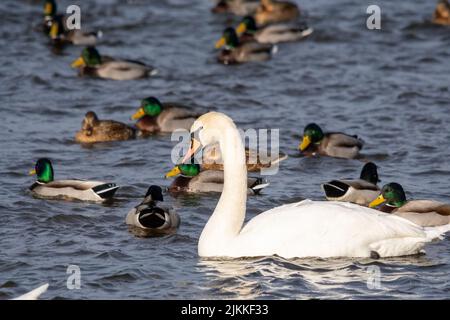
442	13
153	219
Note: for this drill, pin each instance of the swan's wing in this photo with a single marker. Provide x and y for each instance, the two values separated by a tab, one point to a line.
325	229
33	294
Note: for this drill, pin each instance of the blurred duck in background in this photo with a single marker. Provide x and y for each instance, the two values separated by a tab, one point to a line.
152	219
236	52
190	178
155	117
426	213
361	191
332	144
248	31
272	11
60	36
95	130
236	7
91	63
442	13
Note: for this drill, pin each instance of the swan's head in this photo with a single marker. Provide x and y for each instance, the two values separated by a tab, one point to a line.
206	130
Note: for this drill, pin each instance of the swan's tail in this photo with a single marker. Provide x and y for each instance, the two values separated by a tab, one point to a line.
33	294
437	233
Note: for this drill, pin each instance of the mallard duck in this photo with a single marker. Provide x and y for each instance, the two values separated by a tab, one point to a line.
60	36
92	64
50	12
332	144
360	191
192	179
442	13
248	31
155	117
271	11
212	159
236	52
237	7
147	215
83	190
95	130
425	213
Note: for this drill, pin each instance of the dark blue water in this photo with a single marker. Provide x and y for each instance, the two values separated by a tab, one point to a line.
391	87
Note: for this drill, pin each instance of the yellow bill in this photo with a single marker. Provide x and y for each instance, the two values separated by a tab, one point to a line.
305	143
377	201
220	43
48	8
139	114
32	172
195	145
54	31
78	63
242	27
174	172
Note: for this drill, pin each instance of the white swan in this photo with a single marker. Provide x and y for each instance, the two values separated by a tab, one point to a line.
304	229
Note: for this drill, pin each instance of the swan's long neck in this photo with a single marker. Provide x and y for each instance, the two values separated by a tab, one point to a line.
228	217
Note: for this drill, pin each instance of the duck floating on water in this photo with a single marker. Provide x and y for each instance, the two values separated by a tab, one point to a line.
361	191
94	130
332	144
61	36
156	117
83	190
236	52
190	178
425	213
248	31
152	218
91	63
271	11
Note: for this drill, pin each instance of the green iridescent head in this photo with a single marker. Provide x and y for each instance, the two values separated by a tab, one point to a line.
44	170
229	39
186	170
393	194
149	107
50	8
312	134
89	57
248	24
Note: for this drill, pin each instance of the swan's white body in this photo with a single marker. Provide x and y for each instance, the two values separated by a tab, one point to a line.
304	229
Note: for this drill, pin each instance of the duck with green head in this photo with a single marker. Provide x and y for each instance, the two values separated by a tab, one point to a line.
155	117
152	219
191	179
91	63
45	185
360	191
95	130
332	144
441	14
426	213
236	52
248	31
